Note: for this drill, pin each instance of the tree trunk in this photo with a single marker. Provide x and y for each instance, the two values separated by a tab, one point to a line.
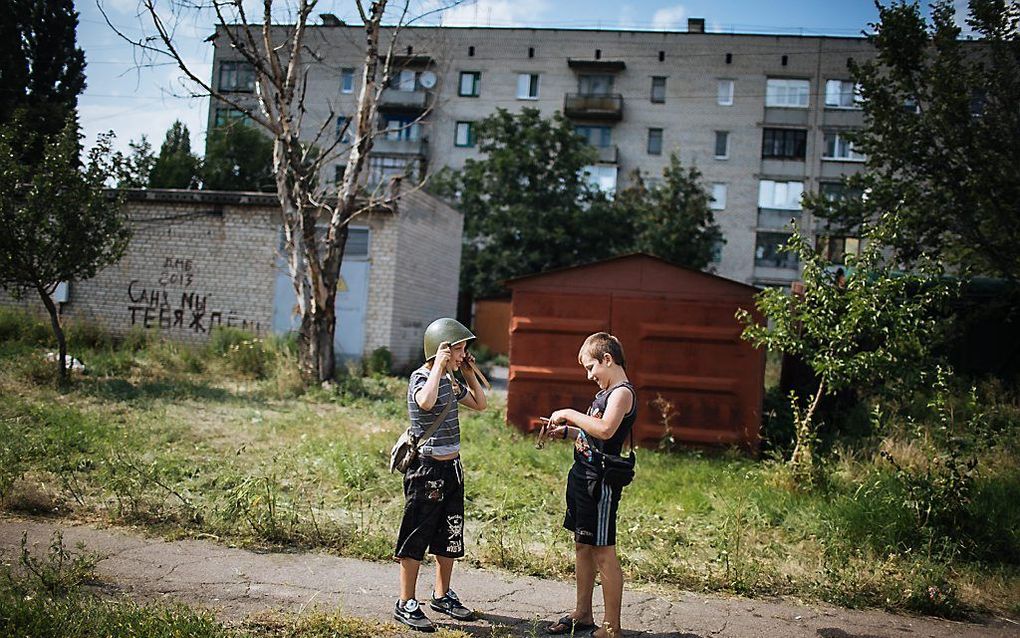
58	331
804	460
318	327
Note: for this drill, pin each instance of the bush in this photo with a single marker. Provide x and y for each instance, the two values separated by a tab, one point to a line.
19	326
87	334
379	362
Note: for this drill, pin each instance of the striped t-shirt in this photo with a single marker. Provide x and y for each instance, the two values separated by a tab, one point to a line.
446	439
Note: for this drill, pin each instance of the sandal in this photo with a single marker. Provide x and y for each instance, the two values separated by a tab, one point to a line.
568	625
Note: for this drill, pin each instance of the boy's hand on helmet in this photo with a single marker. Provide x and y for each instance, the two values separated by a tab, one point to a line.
443	355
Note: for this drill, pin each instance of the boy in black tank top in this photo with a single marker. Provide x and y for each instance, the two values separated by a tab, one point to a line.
592	502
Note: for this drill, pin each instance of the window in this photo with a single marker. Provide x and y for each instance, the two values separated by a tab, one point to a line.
785	92
837	191
658	90
655	141
382	168
338	173
229	115
347	80
464	134
769	254
597	136
343	129
842	94
724	93
357	243
602	177
595	84
470	84
838	147
237	76
781	195
406	81
722	144
784	143
404	128
527	86
718	197
835	249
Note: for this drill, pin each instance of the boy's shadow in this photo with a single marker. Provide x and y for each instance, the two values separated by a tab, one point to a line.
536	628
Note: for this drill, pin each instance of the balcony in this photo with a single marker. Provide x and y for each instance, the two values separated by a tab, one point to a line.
608	154
396	100
383	146
594	107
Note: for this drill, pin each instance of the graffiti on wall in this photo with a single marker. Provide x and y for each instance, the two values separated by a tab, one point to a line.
173	303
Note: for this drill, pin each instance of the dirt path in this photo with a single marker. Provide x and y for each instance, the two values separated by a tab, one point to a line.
235	583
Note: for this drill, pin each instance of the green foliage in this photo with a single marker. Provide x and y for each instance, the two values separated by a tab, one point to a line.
379	362
238	158
42	70
133	170
176	166
945	170
527	204
60	223
672	220
876	327
57	573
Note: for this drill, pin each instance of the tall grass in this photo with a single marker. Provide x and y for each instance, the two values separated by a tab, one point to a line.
191	441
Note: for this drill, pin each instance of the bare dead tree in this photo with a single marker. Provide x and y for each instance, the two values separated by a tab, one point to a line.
315	219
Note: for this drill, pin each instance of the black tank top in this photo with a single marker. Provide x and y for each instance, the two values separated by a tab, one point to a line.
585	443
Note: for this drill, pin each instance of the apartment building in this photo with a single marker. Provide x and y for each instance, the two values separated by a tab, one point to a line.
763	117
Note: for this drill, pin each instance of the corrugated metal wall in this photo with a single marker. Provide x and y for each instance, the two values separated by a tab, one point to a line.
679	336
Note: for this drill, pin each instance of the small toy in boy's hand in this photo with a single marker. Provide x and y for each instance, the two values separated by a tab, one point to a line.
543	432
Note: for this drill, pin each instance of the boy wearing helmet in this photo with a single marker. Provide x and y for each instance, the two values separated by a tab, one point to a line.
434	483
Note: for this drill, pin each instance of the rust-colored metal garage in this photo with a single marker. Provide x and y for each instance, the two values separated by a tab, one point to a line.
680	338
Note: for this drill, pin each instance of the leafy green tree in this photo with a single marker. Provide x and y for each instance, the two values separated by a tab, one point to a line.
133	170
527	203
672	220
60	224
238	158
873	326
42	70
941	138
176	166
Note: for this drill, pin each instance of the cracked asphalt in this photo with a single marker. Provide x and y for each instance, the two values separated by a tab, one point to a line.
235	583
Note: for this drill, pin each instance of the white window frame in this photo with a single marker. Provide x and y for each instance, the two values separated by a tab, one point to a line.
475	87
718	201
780	195
790	93
715	144
464	134
843	150
836	92
525	82
602	176
724	93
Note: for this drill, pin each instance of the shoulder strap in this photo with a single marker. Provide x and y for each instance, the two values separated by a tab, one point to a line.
439	420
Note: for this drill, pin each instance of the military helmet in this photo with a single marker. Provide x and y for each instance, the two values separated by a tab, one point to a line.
444	329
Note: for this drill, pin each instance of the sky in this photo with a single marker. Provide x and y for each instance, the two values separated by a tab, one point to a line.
134	95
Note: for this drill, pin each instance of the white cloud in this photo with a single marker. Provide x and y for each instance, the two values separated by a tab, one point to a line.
496	13
669	18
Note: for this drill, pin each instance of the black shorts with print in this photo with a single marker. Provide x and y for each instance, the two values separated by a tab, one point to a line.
433	510
591	507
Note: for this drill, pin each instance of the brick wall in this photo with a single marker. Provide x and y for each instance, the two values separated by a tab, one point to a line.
204	259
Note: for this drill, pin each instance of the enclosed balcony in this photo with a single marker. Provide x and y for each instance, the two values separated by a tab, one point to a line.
594	107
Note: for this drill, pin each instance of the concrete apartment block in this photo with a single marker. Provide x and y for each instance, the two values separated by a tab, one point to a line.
690	87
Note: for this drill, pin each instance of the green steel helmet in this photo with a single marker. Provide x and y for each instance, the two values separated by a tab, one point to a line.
444	329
